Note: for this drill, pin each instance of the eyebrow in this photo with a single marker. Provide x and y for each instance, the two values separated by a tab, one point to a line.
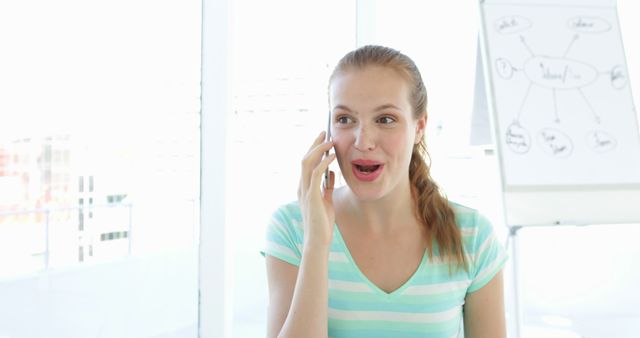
379	108
386	106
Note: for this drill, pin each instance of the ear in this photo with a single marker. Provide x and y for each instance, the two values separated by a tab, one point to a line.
421	125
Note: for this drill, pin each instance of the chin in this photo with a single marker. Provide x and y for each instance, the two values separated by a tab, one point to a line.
366	192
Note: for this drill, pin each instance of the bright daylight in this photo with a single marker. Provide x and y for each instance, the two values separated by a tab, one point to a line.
162	169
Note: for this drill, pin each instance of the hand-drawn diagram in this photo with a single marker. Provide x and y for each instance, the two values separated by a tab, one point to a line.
558	74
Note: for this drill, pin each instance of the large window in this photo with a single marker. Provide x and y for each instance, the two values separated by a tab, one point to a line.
283	53
99	168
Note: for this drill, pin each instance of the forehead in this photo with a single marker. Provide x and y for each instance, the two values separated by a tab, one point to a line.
373	85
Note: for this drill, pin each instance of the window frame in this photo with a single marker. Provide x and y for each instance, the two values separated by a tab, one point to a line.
214	287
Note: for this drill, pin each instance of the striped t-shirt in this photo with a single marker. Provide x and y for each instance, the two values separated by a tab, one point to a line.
429	304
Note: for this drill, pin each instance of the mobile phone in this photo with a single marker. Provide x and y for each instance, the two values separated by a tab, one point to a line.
327	139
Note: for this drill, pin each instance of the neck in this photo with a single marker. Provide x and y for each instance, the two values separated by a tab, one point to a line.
387	214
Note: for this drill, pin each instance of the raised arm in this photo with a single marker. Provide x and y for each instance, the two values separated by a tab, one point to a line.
298	297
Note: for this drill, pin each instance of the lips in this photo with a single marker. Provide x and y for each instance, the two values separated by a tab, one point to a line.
366	170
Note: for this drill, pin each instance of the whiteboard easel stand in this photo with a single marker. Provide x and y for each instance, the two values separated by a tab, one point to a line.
577	203
517	309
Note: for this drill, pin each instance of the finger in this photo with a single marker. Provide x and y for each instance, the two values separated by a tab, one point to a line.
312	160
318	171
318	142
332	179
328	193
314	156
306	160
328	183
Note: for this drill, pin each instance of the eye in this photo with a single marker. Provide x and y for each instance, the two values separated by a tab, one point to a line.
344	119
386	120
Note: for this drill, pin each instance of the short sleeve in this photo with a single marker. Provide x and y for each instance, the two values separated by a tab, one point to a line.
488	254
283	235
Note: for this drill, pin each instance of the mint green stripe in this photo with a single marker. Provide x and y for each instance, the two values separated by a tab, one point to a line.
284	257
355	325
482	282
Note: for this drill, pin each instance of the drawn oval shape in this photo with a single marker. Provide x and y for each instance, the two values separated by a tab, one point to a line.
559	73
555	143
518	139
618	77
504	68
512	24
588	24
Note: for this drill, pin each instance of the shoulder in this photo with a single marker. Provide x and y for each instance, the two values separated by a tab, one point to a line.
284	235
288	212
474	226
485	253
467	217
287	219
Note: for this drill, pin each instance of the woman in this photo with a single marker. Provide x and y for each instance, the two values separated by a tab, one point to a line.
386	255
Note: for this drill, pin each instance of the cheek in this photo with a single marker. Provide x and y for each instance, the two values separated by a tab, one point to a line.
398	145
340	144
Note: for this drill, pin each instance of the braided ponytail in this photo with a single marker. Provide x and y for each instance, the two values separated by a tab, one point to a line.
432	209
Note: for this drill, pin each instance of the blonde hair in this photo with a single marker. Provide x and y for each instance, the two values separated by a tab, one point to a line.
431	207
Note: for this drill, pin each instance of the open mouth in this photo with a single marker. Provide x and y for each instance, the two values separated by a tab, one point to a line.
367	169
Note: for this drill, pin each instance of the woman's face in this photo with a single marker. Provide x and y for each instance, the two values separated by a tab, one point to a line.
373	130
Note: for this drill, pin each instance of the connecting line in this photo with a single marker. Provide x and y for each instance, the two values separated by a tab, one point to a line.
523	101
526	46
575	38
555	106
595	115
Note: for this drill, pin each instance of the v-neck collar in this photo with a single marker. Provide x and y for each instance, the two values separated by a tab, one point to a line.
376	289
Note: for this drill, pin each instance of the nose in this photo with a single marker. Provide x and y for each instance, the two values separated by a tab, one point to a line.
364	139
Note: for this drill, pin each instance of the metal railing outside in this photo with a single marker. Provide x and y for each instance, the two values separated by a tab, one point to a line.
13	224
